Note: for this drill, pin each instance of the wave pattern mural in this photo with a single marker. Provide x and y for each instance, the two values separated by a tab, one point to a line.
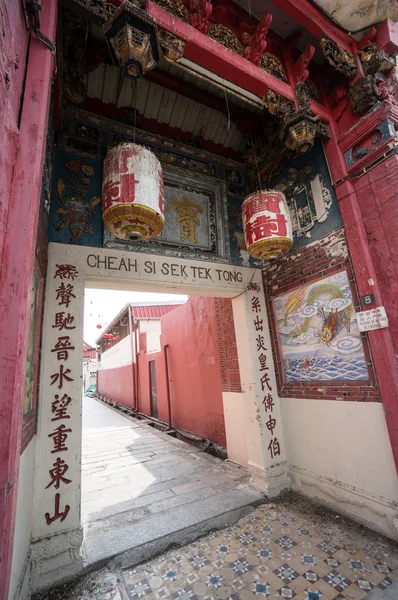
319	333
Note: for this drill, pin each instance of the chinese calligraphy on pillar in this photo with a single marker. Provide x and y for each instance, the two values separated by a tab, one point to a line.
262	367
61	397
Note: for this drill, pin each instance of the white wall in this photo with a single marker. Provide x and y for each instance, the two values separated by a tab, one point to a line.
339	453
234	418
118	356
23	529
152	329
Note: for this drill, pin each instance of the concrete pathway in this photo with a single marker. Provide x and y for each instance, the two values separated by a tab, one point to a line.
143	490
290	549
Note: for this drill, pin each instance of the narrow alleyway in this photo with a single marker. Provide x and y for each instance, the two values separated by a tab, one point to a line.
143	490
284	550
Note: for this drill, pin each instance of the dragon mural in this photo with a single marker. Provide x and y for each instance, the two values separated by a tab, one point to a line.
333	320
318	332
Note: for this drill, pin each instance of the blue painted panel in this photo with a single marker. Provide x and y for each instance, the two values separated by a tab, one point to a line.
312	201
75	208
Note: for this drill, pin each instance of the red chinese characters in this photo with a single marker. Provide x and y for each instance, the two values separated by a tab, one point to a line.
266	224
132	193
62	402
256	306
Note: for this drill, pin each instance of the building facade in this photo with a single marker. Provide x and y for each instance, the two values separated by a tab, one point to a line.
168	367
292	100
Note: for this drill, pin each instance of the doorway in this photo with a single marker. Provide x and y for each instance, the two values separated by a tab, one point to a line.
57	510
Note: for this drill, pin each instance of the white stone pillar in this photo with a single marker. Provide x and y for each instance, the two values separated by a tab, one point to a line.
263	425
57	532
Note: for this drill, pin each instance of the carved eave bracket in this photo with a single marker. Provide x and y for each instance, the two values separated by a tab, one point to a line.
172	46
298	128
343	61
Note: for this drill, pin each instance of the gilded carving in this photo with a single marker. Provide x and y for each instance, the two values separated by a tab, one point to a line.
271	64
172	46
226	37
175	7
343	61
303	97
277	105
187	215
374	61
313	91
363	94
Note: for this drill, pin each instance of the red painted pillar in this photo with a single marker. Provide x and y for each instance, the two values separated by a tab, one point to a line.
17	261
364	169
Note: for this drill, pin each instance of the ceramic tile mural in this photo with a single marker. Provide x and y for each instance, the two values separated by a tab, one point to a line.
310	196
318	332
75	209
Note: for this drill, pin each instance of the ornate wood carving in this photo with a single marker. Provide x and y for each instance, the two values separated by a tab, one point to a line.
175	7
363	94
313	90
374	61
277	105
343	61
297	127
199	12
300	66
226	37
255	44
172	46
74	41
271	64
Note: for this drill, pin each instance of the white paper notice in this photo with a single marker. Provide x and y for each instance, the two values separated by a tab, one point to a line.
375	318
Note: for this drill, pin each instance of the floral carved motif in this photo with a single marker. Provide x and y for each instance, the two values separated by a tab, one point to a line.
226	37
343	61
175	7
271	64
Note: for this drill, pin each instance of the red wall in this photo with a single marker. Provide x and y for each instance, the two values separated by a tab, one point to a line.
117	384
194	368
378	200
190	331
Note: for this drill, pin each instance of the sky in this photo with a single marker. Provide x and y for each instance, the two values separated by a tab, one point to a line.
101	306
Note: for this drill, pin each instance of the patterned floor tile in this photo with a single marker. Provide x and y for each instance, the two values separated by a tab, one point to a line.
276	552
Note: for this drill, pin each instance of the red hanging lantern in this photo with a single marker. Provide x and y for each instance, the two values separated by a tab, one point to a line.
109	344
99	326
266	224
132	193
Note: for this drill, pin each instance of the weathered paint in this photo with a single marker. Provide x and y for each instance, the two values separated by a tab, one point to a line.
20	184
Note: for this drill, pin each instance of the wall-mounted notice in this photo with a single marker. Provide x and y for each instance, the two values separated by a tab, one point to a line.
375	318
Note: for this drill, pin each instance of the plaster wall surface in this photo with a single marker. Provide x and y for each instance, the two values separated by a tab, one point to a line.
234	415
117	356
339	453
355	14
19	583
152	330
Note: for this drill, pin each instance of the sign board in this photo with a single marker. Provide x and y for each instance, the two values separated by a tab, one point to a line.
368	299
375	318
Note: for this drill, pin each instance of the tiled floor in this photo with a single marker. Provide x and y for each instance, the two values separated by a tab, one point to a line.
288	549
